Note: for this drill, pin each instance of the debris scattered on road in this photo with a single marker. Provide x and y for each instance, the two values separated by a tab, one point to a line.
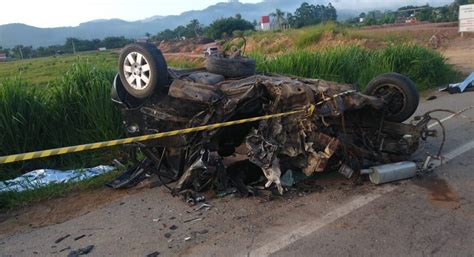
79	237
65	249
40	178
173	227
203	206
61	239
156	220
153	254
167	235
430	98
187	238
193	200
192	220
291	178
81	251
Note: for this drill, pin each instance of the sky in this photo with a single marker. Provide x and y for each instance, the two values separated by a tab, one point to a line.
55	13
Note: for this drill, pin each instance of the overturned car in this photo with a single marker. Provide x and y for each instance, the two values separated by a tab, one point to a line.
339	129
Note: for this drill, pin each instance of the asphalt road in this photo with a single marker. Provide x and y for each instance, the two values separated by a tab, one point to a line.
430	215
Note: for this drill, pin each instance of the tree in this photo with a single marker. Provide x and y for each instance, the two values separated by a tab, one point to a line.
308	14
279	15
330	13
18	51
226	26
180	32
425	14
196	26
167	34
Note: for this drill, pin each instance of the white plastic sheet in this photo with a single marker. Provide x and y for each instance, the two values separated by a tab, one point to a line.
39	178
466	83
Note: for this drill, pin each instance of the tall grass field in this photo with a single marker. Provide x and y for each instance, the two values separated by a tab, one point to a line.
73	109
358	65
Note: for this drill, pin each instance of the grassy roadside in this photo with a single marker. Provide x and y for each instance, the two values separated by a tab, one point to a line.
13	200
40	71
73	109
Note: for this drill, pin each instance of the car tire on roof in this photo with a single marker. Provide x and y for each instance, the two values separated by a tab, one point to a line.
399	92
231	67
142	69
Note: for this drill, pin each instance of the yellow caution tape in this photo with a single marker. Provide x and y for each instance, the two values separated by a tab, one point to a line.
86	147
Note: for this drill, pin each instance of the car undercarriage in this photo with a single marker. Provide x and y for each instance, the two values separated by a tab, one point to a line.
346	132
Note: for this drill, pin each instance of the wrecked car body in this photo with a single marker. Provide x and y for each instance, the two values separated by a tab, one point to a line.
347	131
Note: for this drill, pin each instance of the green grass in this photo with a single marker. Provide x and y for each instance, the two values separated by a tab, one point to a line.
40	71
73	109
185	63
357	65
312	35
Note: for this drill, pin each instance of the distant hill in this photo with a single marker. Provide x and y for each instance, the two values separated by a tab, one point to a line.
15	34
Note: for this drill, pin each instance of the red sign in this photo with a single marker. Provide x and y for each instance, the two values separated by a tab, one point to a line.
265	19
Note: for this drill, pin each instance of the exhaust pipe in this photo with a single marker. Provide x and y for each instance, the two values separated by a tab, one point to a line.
390	172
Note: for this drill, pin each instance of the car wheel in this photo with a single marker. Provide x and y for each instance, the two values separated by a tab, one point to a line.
399	93
231	67
142	69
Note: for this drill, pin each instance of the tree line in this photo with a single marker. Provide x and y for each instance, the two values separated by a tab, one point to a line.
70	46
218	29
446	13
306	15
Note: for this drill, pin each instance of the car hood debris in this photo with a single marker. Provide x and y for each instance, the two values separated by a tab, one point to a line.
348	131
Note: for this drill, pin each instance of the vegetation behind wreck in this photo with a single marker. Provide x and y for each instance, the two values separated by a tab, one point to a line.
357	65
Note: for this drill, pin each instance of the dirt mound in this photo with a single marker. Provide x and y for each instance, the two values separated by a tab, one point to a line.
194	45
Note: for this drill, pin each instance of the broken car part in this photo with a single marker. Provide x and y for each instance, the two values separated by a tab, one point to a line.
347	131
390	172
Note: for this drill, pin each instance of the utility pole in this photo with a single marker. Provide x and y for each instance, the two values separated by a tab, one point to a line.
73	47
21	52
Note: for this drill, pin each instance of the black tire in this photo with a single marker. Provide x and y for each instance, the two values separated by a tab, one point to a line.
157	73
231	67
400	93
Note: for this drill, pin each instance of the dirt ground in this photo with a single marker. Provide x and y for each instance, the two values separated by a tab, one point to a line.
58	210
460	53
459	50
